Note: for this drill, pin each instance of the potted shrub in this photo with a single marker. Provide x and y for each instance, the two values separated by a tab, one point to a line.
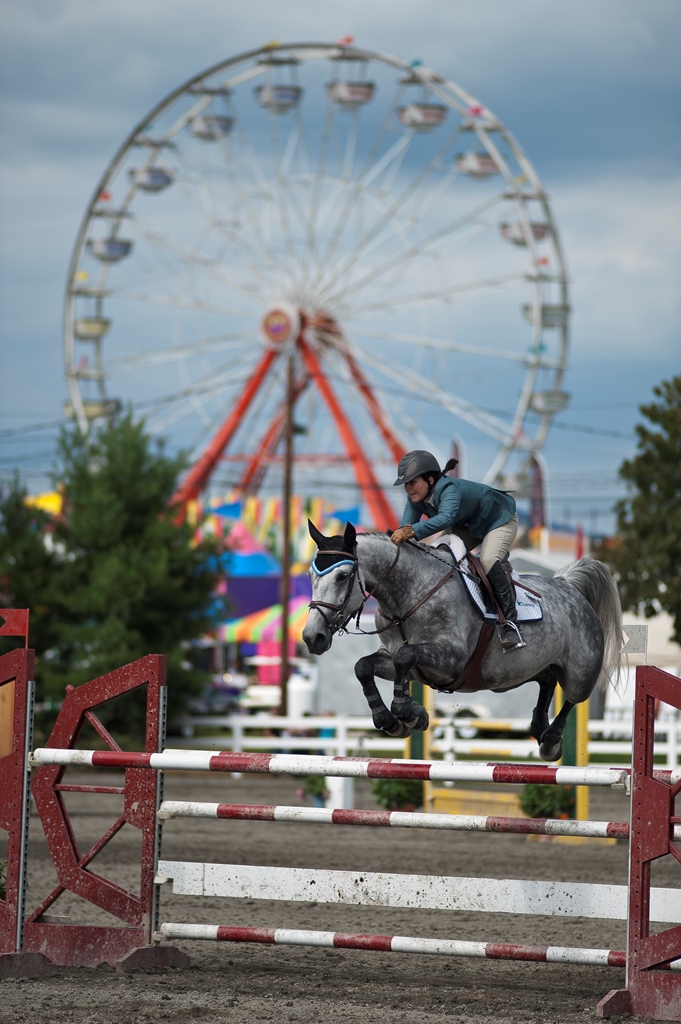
539	801
315	788
398	794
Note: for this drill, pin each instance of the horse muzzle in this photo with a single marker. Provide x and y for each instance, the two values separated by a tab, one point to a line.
317	638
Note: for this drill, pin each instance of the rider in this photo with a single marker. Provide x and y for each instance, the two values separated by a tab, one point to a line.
475	512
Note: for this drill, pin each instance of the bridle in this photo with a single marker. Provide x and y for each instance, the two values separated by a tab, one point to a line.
339	620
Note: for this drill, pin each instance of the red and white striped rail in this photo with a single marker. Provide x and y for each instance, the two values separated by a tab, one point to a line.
345	767
399	819
397	944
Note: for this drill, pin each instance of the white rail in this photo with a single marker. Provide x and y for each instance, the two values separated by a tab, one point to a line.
452	738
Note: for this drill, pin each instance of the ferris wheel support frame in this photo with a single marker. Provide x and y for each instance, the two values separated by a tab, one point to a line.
200	473
257	466
379	506
396	446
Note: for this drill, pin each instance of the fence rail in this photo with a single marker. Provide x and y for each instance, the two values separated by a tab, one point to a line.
344	735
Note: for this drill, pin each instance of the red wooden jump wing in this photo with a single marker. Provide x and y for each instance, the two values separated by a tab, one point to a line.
652	991
89	945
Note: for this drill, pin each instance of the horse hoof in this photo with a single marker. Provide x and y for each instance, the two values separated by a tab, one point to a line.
385	722
401	731
420	722
551	751
414	717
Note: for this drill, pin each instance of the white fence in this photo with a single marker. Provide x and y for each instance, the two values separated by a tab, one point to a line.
344	736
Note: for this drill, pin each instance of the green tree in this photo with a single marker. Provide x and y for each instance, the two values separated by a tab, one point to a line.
125	579
646	554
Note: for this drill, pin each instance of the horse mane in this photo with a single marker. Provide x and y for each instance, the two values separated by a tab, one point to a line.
422	549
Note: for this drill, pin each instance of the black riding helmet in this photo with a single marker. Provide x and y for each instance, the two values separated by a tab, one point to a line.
416	463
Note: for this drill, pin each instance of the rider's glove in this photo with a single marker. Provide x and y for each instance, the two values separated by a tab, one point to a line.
404	533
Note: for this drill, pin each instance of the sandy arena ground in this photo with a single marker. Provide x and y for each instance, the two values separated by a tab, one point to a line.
248	983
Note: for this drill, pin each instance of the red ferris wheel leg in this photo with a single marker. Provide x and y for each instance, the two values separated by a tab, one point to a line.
257	466
199	475
379	507
397	448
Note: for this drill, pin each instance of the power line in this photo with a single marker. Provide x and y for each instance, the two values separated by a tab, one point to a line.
592	430
32	428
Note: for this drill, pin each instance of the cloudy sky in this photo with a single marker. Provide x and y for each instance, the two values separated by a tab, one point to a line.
589	87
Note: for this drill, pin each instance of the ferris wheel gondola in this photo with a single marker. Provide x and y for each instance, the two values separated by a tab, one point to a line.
359	214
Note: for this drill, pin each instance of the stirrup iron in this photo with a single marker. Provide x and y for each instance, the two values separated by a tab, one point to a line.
510	641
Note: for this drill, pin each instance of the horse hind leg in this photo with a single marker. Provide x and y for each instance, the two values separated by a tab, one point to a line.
540	716
366	670
551	746
407	710
549	735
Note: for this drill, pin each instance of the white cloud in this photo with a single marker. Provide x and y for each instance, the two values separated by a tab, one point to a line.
623	261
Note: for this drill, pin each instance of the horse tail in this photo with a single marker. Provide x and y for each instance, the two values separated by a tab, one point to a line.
593	581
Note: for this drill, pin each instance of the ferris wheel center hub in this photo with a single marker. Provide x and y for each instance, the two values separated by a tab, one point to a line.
280	324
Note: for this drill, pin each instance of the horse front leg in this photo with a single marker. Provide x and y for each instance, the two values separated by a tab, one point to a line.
379	664
411	713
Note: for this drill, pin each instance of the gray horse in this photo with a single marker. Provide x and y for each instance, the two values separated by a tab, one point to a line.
577	642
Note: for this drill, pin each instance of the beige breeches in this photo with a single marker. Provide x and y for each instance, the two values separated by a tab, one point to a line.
497	544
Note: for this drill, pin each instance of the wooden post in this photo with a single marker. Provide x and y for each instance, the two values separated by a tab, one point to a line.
6	718
286	541
576	748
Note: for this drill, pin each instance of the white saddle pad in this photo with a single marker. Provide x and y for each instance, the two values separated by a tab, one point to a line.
529	608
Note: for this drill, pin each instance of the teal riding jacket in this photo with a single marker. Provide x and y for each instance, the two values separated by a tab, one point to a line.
459	503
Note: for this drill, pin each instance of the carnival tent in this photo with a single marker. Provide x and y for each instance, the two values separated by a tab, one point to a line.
265	625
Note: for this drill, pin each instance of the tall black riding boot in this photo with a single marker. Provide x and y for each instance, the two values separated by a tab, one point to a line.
509	634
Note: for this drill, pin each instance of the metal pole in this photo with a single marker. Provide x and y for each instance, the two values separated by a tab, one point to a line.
286	541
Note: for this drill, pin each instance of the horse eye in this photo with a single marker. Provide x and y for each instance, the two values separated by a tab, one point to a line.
342	576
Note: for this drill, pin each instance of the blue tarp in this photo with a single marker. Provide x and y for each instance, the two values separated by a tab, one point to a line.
259	563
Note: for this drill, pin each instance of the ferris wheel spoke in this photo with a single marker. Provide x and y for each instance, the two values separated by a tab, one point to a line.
181	400
419	385
425	244
425	298
231	234
282	204
212	224
393	209
192	257
338	186
352	195
396	153
178	302
527	358
315	198
158	357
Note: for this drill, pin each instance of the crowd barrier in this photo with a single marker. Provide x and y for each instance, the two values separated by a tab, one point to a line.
32	940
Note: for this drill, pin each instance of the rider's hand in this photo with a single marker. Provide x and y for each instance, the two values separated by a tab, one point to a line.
404	533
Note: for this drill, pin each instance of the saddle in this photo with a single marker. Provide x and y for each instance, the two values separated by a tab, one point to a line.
475	571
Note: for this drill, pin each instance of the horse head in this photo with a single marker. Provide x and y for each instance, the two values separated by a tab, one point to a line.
336	591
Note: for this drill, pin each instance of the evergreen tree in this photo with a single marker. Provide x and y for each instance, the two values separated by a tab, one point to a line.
125	579
646	554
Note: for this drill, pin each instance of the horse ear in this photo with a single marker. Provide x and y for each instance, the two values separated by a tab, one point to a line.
316	535
350	537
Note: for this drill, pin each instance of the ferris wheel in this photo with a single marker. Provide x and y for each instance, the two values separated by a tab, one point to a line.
351	222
